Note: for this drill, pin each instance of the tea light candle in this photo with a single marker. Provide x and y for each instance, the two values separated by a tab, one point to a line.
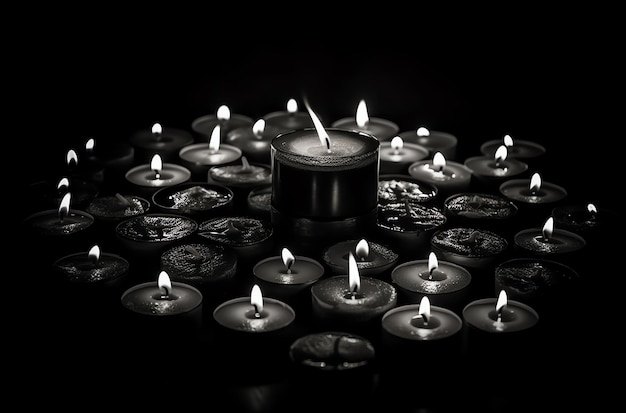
146	179
372	259
49	193
533	191
289	119
588	220
519	148
381	129
469	247
396	155
550	242
393	188
445	283
204	126
351	301
434	141
254	141
448	177
92	269
197	200
489	171
324	182
200	157
159	140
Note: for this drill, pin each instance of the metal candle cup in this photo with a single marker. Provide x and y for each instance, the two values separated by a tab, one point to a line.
396	158
144	180
451	178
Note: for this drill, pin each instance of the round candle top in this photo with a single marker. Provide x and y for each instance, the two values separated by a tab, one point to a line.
434	141
91	267
483	166
260	199
153	228
332	351
468	242
398	188
374	296
199	264
409	217
532	191
524	278
202	154
420	322
154	299
547	240
421	276
521	149
52	222
242	175
371	258
479	206
241	314
254	141
382	129
286	121
204	125
512	317
583	218
236	231
158	174
117	207
192	197
160	138
347	149
288	269
398	151
443	174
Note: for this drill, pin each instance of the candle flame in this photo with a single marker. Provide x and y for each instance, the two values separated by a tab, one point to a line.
548	228
362	118
223	113
258	128
502	301
321	132
292	106
157	129
424	309
362	249
90	144
508	141
535	182
64	206
354	281
397	143
433	263
63	184
439	161
591	208
422	131
501	154
164	283
288	258
94	253
71	157
256	299
156	164
214	142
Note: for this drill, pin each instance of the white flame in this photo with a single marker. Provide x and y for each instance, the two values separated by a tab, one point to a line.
502	301
321	132
288	258
362	249
258	128
439	160
535	182
424	308
164	283
397	143
591	208
94	253
256	298
64	206
90	144
63	183
362	118
433	263
214	142
223	113
157	128
422	131
156	164
292	106
354	280
508	141
71	156
501	153
548	228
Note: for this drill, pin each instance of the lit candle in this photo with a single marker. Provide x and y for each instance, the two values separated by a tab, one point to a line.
434	141
159	140
49	193
351	302
163	306
393	188
289	119
469	247
382	129
483	210
200	157
396	155
324	182
204	126
195	199
490	171
533	194
448	177
288	277
445	283
588	220
518	148
254	141
146	179
372	259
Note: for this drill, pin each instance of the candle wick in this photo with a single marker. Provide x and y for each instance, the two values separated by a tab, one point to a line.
327	140
257	313
157	175
430	273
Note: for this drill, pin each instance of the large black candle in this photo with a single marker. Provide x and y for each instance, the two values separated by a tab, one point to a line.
329	177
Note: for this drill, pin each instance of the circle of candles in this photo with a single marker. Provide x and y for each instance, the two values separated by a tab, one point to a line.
518	148
445	283
434	141
324	187
407	226
163	305
448	177
147	178
393	188
165	141
250	237
197	200
372	258
289	119
469	247
200	157
151	233
254	141
259	201
381	129
204	126
483	210
396	155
